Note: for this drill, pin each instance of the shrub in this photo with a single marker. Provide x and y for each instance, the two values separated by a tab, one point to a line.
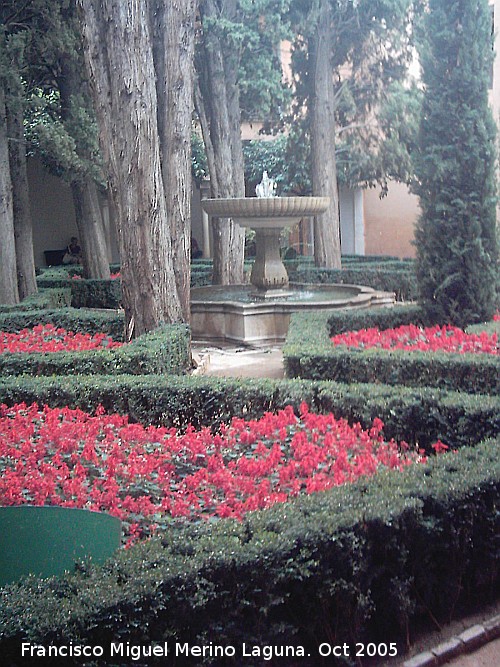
164	350
78	320
399	279
456	237
353	564
309	353
420	416
44	298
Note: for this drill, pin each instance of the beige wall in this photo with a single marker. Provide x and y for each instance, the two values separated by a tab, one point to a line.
389	222
51	210
53	215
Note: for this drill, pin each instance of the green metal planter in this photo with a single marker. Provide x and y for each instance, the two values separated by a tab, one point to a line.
47	541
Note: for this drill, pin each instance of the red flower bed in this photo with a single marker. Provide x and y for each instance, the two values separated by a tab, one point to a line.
147	476
412	337
48	338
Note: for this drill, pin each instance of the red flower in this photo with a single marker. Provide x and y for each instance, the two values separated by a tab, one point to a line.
412	337
148	476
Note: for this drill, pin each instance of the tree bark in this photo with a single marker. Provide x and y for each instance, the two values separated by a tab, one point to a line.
121	68
324	166
173	23
9	293
221	121
23	228
88	214
90	228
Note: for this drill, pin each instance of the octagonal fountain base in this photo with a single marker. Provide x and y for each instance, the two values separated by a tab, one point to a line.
236	313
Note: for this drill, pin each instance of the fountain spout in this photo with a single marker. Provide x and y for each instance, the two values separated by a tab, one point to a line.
267	187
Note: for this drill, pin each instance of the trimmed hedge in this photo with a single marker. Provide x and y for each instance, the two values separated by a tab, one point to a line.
309	353
77	320
357	563
164	350
90	293
44	298
418	416
397	277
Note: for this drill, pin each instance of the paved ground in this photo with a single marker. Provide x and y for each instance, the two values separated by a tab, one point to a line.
234	361
486	656
473	642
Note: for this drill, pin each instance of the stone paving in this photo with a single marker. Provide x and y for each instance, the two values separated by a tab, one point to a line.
233	361
477	646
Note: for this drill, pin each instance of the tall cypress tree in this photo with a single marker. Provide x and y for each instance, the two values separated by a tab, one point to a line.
457	249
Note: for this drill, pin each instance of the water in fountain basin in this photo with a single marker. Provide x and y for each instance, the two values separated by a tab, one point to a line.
296	293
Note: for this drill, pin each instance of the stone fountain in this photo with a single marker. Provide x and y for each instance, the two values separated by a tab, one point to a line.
260	312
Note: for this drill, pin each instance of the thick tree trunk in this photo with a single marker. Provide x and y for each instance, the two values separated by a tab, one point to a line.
217	78
121	68
9	293
23	228
90	228
324	167
174	24
85	196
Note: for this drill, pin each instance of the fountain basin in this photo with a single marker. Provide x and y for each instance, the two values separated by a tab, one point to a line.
265	212
268	216
234	313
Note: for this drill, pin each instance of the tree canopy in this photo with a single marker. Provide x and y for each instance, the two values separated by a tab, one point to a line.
457	248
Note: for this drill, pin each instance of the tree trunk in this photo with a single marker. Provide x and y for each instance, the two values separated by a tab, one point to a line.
324	166
121	68
9	293
217	78
83	187
174	24
90	228
23	228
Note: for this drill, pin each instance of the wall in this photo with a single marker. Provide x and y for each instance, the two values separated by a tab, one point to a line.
51	210
389	222
53	215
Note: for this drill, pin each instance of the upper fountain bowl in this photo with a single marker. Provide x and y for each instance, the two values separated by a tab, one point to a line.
265	212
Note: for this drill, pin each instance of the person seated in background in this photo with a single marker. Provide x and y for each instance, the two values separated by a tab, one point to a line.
196	253
73	254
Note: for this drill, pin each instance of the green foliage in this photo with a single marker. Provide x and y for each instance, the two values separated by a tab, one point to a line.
419	416
309	353
397	277
199	166
374	112
162	351
250	32
262	24
41	300
457	248
270	156
78	320
363	562
61	130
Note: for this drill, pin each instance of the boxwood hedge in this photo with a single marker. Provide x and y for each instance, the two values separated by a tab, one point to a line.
164	350
397	277
56	297
309	353
358	563
77	320
419	416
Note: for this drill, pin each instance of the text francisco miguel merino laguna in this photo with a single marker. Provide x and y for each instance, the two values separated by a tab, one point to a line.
159	650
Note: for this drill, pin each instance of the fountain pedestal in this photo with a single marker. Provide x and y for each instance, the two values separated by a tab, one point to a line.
260	312
268	272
